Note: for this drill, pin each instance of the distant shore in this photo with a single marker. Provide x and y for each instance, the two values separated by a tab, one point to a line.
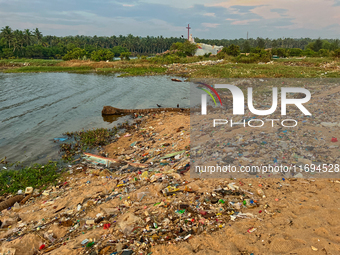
190	67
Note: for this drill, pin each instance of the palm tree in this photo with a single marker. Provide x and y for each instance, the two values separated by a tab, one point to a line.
17	39
38	35
28	36
6	32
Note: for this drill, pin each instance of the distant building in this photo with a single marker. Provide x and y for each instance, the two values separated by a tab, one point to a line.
206	48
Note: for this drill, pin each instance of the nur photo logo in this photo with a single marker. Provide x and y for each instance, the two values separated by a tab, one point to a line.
239	103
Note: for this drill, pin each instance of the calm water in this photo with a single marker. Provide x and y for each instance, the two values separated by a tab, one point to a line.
36	108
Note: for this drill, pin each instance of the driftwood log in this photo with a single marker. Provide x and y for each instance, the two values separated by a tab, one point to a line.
10	202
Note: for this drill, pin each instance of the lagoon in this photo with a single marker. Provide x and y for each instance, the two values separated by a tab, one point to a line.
35	108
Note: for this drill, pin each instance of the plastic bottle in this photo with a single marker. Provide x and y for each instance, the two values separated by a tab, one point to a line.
261	193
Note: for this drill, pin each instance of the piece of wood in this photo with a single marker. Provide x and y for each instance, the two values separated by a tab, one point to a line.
10	202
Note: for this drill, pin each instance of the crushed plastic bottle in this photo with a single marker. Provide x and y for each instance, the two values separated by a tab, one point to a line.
261	193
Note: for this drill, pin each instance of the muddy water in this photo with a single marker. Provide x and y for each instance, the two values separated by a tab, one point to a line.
36	108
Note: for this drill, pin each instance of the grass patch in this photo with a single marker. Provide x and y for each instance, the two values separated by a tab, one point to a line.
134	71
30	62
262	71
309	60
36	176
84	140
37	69
309	67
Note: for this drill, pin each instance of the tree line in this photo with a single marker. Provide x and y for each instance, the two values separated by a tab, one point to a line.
33	44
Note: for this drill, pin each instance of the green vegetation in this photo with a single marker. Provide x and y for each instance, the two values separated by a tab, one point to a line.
336	53
33	44
36	176
183	49
239	66
276	70
125	55
85	140
102	55
76	53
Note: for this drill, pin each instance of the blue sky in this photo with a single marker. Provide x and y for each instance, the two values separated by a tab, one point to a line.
210	19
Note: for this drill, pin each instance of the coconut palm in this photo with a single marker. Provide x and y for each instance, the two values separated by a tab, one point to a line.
38	35
7	33
28	37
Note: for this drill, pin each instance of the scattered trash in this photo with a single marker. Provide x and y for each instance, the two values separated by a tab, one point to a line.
60	139
174	79
251	230
28	190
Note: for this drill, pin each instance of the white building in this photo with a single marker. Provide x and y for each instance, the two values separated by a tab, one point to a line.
205	48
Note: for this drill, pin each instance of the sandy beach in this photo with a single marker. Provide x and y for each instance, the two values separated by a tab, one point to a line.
296	216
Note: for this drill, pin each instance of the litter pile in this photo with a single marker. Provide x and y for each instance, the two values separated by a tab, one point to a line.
124	208
305	145
139	197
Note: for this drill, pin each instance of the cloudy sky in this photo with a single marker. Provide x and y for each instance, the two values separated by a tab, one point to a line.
208	18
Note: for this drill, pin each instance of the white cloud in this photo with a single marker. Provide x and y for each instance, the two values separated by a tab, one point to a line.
210	14
128	5
210	25
313	14
243	22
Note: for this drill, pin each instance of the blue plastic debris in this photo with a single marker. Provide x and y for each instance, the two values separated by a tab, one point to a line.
60	139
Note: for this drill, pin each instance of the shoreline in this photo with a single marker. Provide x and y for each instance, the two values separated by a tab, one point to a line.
143	207
189	68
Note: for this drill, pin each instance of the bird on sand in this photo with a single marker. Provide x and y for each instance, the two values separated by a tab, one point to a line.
158	105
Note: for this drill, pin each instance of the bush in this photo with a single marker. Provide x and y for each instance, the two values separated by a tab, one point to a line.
76	53
125	55
221	55
232	50
117	50
262	56
102	55
323	53
7	53
251	58
295	52
280	52
309	53
256	50
336	53
184	49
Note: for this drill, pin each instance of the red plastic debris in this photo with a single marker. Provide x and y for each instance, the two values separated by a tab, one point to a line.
334	139
107	226
251	230
203	212
42	246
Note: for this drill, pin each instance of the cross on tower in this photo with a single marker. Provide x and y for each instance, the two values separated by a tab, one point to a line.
188	27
